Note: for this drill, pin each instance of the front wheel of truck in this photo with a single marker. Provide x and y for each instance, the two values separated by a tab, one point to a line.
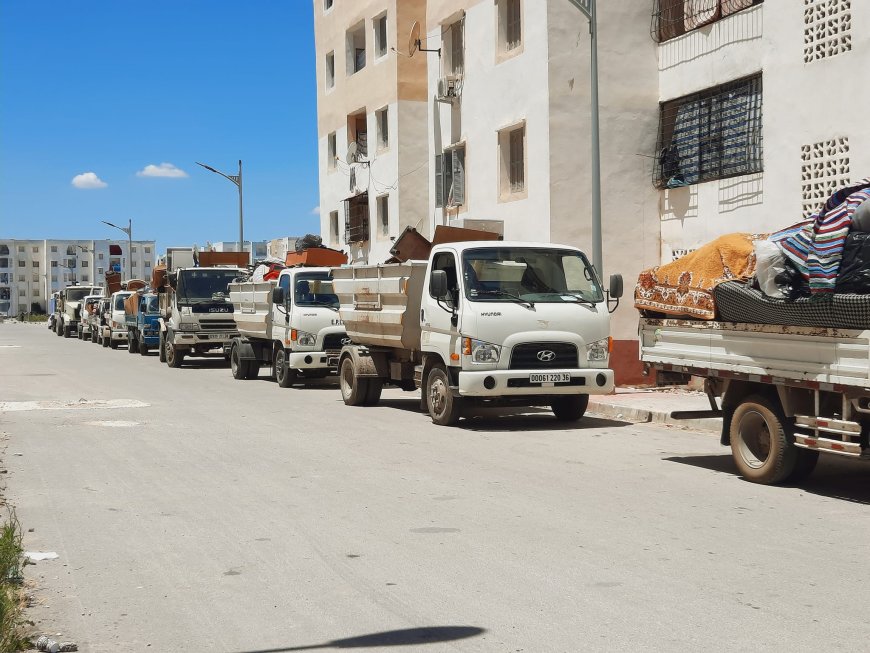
143	349
283	374
174	356
570	408
444	408
132	344
161	348
354	389
760	441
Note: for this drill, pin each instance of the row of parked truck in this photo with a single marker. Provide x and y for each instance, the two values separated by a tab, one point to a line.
470	322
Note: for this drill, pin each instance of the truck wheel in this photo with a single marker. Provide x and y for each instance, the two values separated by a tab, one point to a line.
373	393
161	348
67	332
253	370
132	345
238	366
113	344
106	340
760	441
143	349
174	356
93	335
283	374
570	408
79	333
353	388
58	327
444	408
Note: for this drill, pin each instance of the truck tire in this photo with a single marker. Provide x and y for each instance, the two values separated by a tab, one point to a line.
143	349
760	441
106	340
161	348
132	344
174	356
444	408
570	408
253	370
113	344
238	366
58	327
79	334
283	374
373	393
353	388
93	335
67	331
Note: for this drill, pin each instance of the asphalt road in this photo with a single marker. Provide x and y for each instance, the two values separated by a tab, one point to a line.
222	515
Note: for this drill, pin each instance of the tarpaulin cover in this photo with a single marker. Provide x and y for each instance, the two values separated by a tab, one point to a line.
854	276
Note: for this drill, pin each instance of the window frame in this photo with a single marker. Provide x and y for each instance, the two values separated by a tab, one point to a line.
382	124
329	71
380	41
446	167
382	206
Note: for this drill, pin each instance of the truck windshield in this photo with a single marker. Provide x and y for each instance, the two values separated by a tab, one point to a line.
204	284
77	294
151	305
314	289
529	275
119	300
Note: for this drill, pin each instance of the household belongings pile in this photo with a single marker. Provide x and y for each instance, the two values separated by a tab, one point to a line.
814	273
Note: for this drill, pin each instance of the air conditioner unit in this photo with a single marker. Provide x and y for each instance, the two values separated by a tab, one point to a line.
448	88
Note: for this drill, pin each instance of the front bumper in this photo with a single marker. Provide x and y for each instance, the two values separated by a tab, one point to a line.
310	360
505	383
117	334
191	338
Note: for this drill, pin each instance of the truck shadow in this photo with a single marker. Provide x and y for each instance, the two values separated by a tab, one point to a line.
834	477
405	637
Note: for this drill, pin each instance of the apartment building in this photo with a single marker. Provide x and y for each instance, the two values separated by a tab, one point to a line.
371	122
257	249
31	270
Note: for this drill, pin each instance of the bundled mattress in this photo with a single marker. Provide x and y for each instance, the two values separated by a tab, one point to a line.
737	302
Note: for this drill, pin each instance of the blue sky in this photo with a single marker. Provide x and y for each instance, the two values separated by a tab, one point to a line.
110	87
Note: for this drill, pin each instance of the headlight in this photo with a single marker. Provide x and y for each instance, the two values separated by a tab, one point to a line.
481	352
188	326
304	339
598	350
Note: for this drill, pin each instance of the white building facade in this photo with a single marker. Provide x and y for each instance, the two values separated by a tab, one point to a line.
31	270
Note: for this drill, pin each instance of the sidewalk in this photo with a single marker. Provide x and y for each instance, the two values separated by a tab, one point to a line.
654	405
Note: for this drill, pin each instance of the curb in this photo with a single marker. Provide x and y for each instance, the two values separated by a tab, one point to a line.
647	416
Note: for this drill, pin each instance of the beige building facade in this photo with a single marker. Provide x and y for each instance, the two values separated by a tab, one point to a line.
371	122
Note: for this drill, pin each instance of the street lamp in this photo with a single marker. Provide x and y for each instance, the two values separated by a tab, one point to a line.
129	231
237	180
588	9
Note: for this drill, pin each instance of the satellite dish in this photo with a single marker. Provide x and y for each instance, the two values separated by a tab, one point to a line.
351	153
414	38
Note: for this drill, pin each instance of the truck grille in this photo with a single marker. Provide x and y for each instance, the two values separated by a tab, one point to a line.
218	325
553	355
332	341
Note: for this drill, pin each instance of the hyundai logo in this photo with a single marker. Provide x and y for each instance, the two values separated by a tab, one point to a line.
346	341
545	355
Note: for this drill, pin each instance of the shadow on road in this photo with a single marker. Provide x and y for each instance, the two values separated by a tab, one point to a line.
405	637
834	477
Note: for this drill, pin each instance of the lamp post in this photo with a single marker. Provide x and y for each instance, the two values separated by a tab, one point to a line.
129	231
589	10
237	180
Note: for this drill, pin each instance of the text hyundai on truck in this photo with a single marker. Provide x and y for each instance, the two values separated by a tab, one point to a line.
478	323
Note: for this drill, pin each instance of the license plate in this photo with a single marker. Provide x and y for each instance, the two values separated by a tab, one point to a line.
550	377
218	336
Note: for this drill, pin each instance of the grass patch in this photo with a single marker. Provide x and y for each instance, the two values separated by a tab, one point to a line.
12	637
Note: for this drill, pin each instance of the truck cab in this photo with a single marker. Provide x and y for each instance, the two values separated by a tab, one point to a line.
89	308
69	308
195	312
115	330
292	325
143	326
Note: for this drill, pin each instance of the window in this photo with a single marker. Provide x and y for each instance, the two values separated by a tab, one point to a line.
357	132
54	278
54	264
510	27
21	292
54	249
450	177
84	264
34	264
381	118
447	261
84	277
21	249
672	18
99	270
134	264
4	262
70	250
36	292
356	219
330	70
356	48
327	5
380	25
21	278
35	250
333	227
147	250
454	47
36	278
100	256
384	214
21	263
709	135
512	162
147	264
133	249
4	250
330	152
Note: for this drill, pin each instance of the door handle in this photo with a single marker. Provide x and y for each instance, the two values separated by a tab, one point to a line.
422	315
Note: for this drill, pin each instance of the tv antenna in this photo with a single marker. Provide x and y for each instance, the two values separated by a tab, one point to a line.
414	42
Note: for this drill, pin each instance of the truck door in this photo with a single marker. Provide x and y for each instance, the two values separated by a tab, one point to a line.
440	319
281	315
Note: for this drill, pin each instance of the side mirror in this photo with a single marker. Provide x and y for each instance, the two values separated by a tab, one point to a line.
438	284
278	296
615	286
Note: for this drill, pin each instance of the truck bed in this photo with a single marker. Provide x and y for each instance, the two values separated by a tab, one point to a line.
252	308
380	304
800	354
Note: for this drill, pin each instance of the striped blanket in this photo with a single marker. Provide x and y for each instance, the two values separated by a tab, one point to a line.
815	245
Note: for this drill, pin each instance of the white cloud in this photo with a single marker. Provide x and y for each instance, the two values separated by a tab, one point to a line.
88	180
162	170
315	210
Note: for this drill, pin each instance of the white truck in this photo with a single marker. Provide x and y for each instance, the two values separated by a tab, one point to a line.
195	314
291	324
114	331
481	322
786	392
69	308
